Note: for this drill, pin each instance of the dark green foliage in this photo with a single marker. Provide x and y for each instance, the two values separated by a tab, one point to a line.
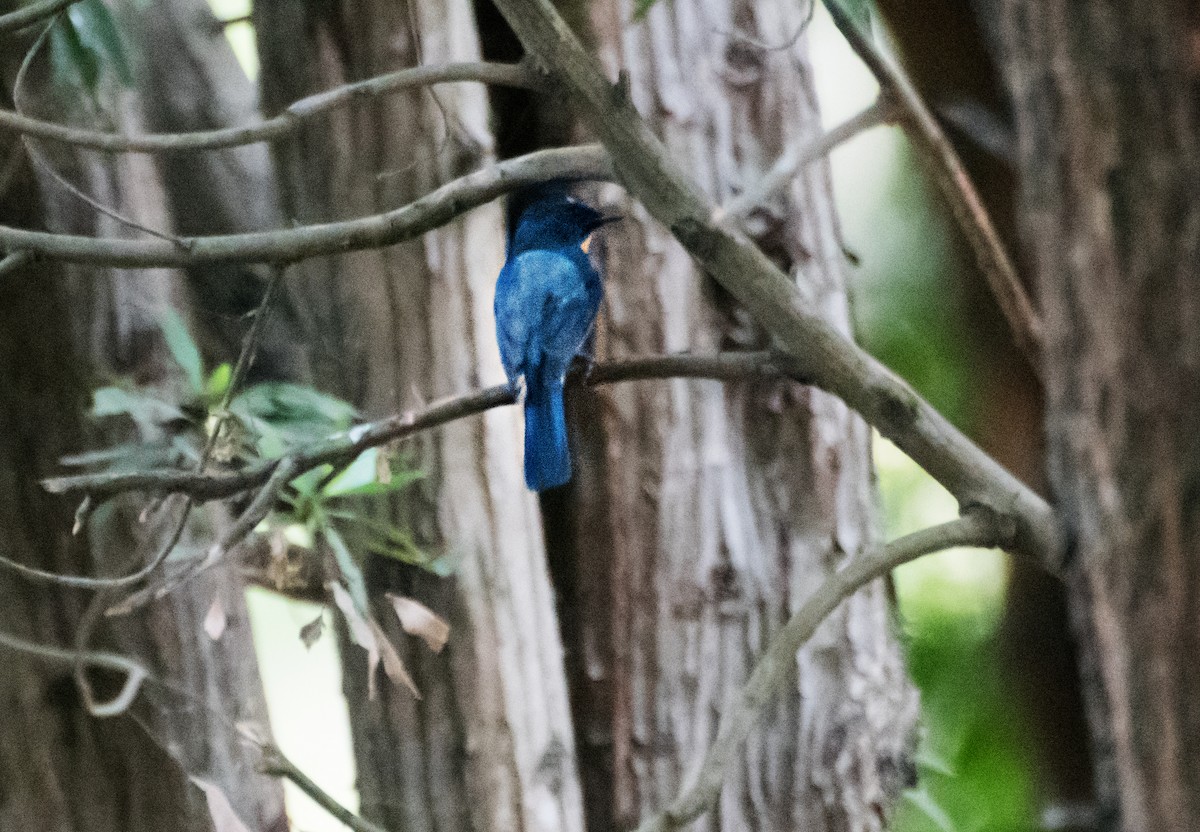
85	44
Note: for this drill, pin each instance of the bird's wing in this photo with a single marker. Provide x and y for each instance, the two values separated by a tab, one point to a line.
543	304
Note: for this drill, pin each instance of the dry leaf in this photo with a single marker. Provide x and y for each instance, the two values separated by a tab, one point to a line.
311	632
367	633
393	665
418	620
223	817
215	620
360	631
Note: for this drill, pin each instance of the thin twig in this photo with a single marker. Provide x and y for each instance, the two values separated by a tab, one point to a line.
281	126
955	185
584	162
14	261
274	763
32	13
135	672
776	667
277	765
797	156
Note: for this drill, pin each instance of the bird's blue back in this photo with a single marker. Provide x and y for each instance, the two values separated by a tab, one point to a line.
547	298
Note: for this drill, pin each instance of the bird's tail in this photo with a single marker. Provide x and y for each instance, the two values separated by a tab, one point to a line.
547	455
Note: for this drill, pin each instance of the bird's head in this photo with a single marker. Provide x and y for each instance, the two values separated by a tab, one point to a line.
557	220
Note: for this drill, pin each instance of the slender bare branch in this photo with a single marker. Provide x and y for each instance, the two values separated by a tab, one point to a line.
293	244
775	669
277	765
955	185
823	354
797	156
32	13
135	673
281	126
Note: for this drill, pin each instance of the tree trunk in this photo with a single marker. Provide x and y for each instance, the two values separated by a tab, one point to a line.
1105	101
68	330
704	514
489	747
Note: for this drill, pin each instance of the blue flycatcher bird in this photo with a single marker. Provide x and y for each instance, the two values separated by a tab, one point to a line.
547	297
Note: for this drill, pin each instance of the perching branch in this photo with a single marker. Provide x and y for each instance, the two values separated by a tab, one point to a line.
292	244
822	354
345	447
281	126
955	185
32	13
776	668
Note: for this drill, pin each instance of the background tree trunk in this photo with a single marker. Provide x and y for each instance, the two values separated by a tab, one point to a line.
489	747
67	330
1105	101
705	513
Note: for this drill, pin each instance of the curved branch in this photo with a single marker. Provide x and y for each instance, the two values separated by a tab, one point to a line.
292	244
135	672
282	125
776	667
32	13
956	188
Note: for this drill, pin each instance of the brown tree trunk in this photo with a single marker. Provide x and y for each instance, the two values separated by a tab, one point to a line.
489	747
704	513
67	331
1106	111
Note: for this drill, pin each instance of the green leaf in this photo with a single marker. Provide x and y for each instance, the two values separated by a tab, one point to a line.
924	803
361	478
642	9
99	33
72	63
183	349
147	412
351	575
929	762
218	382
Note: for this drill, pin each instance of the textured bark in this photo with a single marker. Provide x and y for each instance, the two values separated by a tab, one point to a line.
490	746
704	513
1106	110
65	332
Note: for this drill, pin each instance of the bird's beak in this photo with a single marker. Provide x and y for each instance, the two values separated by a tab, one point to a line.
603	221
